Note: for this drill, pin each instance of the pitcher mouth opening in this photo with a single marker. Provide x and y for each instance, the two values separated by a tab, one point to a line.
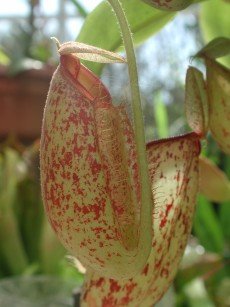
86	82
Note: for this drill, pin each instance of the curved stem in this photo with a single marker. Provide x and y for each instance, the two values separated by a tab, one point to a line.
146	194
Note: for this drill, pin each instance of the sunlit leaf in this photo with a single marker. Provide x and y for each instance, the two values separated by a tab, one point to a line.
173	166
217	48
101	29
196	101
214	184
215	22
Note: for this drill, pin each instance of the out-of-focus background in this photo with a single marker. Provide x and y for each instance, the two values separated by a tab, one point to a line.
33	267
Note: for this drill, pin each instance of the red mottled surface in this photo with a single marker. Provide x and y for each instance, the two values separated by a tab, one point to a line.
91	191
169	5
173	167
89	173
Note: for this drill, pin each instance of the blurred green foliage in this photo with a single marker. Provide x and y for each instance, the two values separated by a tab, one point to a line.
27	244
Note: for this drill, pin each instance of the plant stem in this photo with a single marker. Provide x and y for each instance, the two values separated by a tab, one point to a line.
146	194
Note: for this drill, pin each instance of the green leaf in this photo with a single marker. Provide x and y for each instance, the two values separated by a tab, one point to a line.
217	48
101	29
161	117
215	22
207	227
28	204
51	250
4	59
214	183
30	216
11	245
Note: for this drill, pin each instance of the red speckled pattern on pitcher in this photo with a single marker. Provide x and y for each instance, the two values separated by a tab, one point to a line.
91	192
89	172
173	167
169	5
